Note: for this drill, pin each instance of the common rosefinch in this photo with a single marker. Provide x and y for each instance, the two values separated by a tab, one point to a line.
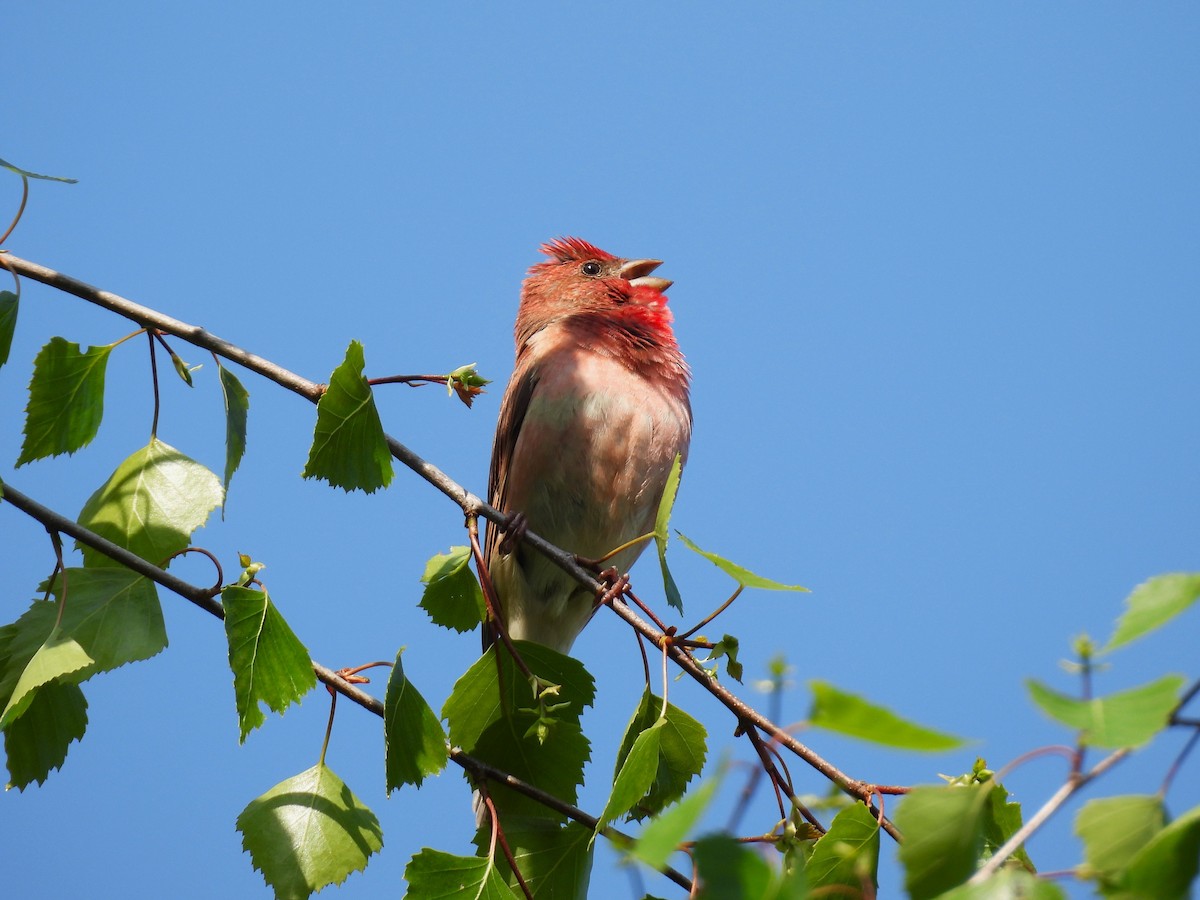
591	421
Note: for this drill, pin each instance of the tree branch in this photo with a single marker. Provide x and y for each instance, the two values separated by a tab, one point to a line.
469	503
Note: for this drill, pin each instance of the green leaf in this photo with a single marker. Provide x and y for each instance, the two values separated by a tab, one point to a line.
741	575
269	663
836	710
308	832
37	742
1124	719
1001	820
432	875
466	383
29	174
662	533
1008	884
413	736
150	505
66	399
349	449
112	616
555	861
848	854
943	836
60	655
1167	865
452	595
1114	829
729	870
636	774
9	304
681	753
1152	604
237	407
663	833
492	711
727	647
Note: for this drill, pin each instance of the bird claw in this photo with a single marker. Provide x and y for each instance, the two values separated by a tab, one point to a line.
514	532
614	584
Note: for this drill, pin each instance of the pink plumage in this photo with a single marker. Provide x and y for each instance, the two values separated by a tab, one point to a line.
594	414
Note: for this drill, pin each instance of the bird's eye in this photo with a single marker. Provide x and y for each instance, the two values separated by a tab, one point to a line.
590	268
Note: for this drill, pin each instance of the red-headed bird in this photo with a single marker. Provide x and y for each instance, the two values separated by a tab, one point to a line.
591	421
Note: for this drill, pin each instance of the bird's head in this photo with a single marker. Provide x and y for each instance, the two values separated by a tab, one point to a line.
580	279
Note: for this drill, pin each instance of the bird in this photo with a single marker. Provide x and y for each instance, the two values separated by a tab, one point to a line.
593	417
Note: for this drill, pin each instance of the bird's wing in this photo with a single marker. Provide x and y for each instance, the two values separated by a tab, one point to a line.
513	408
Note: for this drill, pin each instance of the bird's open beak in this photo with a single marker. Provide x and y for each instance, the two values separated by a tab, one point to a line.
637	272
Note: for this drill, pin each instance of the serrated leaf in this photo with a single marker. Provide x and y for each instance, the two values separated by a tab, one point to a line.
662	533
490	713
848	854
150	505
308	832
729	870
1167	865
414	740
682	749
113	615
663	833
845	713
29	174
728	648
349	449
9	305
452	595
555	861
943	835
740	574
432	874
1001	820
635	775
269	663
37	741
1152	604
66	399
59	655
237	408
1124	719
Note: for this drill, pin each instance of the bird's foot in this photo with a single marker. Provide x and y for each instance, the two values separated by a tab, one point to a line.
514	532
613	585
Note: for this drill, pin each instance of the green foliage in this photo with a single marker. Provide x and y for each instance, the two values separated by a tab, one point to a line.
9	305
413	736
836	710
66	399
663	833
740	574
150	505
109	618
636	773
1114	829
37	741
727	647
943	828
678	754
1124	719
555	861
1152	604
349	448
730	871
1008	884
269	663
27	174
308	832
452	595
662	533
434	874
848	853
493	713
237	409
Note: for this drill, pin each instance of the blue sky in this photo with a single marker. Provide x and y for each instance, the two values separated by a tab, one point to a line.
936	275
